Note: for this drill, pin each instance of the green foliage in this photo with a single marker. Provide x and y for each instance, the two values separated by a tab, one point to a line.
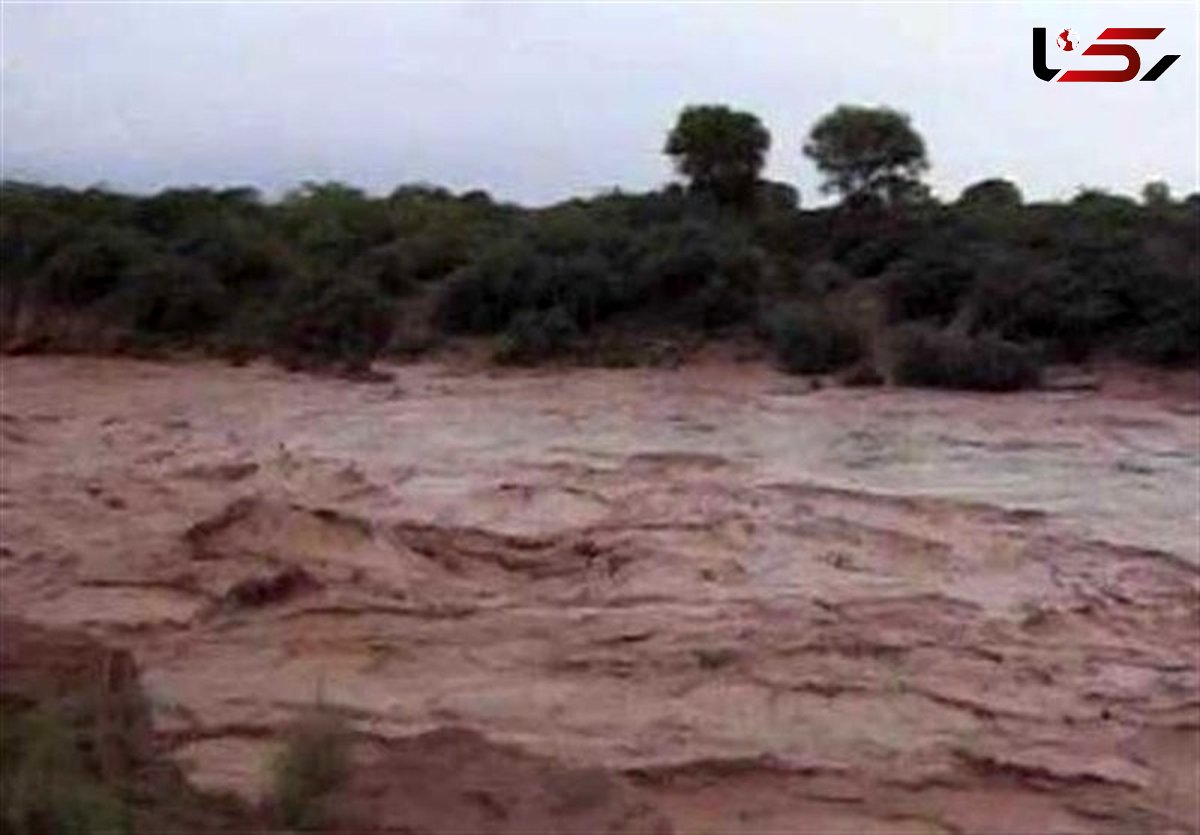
46	787
314	761
777	197
537	335
1170	333
245	255
925	356
322	276
993	194
930	282
483	296
1097	204
1156	194
711	271
169	296
90	267
825	277
868	153
868	254
330	222
332	319
591	263
811	340
720	150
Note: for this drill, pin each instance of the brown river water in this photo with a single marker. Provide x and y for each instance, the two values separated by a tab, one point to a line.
769	609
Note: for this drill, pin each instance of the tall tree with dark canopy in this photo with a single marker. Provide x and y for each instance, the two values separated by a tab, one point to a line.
1156	194
721	151
868	154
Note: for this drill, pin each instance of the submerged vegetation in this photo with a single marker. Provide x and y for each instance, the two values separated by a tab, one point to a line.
314	760
46	782
972	293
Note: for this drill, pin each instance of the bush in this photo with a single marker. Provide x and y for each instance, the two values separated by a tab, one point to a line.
1100	294
45	784
874	255
313	277
332	319
927	286
483	296
534	336
90	267
923	356
995	193
811	341
314	761
826	277
711	275
170	296
1171	333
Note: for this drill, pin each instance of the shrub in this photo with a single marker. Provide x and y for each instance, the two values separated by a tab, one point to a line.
811	341
923	356
390	267
45	784
995	193
434	253
246	258
714	273
482	296
313	276
825	277
343	319
874	255
1171	333
533	336
1099	294
582	284
91	267
314	761
927	286
170	296
720	302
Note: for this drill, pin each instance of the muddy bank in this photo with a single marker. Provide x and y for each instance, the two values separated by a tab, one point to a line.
765	608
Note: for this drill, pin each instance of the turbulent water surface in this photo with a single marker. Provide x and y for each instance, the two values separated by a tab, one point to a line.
769	608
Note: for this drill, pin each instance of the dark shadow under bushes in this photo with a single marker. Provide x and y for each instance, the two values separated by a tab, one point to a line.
924	356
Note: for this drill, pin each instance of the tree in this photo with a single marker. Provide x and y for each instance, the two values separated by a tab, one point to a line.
995	193
868	154
721	151
1156	194
778	196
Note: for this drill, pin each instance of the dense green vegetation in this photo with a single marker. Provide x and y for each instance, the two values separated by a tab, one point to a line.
331	275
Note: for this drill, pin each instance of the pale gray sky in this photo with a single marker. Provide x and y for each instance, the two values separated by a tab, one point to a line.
541	102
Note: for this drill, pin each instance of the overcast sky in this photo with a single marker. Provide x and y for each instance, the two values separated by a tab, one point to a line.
540	102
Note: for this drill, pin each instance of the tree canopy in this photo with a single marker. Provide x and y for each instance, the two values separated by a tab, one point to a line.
1156	193
868	154
994	193
720	150
331	275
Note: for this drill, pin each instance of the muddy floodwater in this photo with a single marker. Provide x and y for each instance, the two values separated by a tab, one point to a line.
769	609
